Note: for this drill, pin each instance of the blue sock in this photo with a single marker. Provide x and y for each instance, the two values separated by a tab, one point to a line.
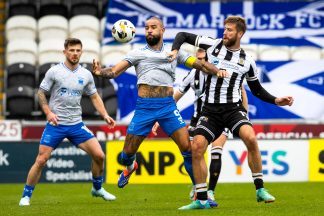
28	191
126	159
187	157
97	182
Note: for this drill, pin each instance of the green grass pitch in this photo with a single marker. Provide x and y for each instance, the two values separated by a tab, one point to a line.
74	199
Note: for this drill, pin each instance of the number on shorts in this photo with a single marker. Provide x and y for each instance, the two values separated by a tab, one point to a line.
177	113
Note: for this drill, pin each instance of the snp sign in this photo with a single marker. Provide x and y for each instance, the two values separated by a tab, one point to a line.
159	161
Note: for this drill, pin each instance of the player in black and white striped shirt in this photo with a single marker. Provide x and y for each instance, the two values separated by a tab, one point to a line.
196	80
223	107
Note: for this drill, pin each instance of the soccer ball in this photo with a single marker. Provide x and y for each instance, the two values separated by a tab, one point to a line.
123	31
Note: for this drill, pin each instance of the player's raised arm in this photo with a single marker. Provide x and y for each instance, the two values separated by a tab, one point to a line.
109	72
181	38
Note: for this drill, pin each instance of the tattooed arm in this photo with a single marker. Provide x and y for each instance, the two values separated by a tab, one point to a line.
50	116
109	72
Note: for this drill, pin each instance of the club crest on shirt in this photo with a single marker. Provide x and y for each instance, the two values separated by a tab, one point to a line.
241	62
215	61
80	80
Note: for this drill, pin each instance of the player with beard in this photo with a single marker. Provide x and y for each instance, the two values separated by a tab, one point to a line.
66	82
223	106
155	78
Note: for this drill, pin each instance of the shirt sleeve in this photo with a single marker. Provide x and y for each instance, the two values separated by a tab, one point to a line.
182	57
252	73
133	57
185	85
90	88
48	80
205	42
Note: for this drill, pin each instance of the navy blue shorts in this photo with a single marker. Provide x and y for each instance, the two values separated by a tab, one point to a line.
54	135
151	110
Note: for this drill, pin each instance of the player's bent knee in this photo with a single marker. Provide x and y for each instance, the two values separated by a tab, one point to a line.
100	158
251	139
250	142
198	149
41	161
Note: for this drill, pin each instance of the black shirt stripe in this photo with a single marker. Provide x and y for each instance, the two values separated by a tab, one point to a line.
230	88
208	82
228	55
217	49
218	87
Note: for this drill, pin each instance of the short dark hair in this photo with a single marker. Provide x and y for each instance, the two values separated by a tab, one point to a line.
72	41
200	50
239	21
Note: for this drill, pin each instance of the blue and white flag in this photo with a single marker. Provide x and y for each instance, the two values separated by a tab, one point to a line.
304	80
274	23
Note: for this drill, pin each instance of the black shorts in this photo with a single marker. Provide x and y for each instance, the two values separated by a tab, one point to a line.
192	126
216	117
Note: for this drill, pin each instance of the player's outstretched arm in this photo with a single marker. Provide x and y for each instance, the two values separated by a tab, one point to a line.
50	116
258	91
109	72
99	105
284	101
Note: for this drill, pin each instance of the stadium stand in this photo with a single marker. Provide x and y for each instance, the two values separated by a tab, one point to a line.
252	50
49	54
102	27
21	51
103	6
35	31
42	69
88	110
21	26
54	7
91	50
97	80
110	99
274	53
111	54
20	102
84	7
305	53
53	26
84	26
50	51
2	56
22	7
21	74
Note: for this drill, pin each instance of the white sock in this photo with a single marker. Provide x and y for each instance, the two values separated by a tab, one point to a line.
130	167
